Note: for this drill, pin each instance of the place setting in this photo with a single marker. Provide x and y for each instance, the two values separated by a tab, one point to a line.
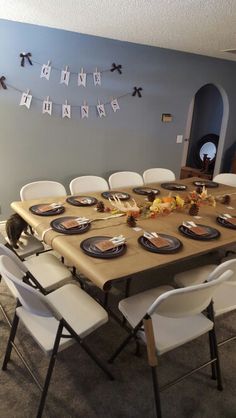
104	246
145	191
173	186
81	200
226	220
47	209
113	195
159	243
207	184
198	231
71	225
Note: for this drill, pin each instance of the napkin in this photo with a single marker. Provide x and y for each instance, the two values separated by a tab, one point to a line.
73	223
156	240
109	244
47	208
198	230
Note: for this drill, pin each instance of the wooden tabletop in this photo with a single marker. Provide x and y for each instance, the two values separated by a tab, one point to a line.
136	259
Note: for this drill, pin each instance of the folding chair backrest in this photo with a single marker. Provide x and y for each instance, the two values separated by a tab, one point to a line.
6	251
158	175
187	301
227	265
32	300
125	179
85	184
43	188
226	178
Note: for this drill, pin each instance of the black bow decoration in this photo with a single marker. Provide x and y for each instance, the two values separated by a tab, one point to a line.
116	67
2	82
23	56
137	90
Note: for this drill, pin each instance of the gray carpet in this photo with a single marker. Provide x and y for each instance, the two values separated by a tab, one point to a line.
80	389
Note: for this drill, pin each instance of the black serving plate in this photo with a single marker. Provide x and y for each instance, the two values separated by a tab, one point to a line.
120	195
80	229
225	223
84	200
174	244
145	190
210	184
88	246
174	186
52	212
212	233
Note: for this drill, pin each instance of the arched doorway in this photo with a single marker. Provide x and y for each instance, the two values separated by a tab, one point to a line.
205	131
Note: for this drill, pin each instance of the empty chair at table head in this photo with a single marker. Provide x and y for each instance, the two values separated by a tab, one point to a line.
85	184
42	188
226	178
125	179
158	175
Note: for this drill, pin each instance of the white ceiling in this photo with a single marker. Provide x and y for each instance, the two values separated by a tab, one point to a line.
204	27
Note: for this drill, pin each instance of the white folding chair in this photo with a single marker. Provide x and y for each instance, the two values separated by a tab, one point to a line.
171	320
44	272
158	175
226	178
42	188
86	184
55	321
125	179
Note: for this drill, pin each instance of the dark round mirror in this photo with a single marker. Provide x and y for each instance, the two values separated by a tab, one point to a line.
208	149
205	151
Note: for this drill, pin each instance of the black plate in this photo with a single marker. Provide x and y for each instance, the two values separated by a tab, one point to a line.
224	223
206	183
174	244
120	195
212	233
145	190
174	186
51	212
88	246
88	200
80	229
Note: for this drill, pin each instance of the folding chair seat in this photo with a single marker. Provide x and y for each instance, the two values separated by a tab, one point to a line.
158	175
125	179
174	318
54	321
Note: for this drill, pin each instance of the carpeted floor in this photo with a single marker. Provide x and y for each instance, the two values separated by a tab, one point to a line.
79	389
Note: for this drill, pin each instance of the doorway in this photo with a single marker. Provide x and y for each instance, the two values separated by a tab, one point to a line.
205	132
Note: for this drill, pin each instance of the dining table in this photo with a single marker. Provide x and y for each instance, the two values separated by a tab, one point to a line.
103	269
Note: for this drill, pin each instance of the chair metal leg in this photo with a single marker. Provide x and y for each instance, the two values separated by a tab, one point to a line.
10	341
50	370
217	363
156	392
96	360
213	368
120	348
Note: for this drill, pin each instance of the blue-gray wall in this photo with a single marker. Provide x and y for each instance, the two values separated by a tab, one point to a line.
36	146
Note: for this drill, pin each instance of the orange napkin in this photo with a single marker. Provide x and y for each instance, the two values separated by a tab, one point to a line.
159	242
44	208
105	245
71	223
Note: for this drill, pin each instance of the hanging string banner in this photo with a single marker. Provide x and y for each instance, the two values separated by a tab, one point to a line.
66	108
65	73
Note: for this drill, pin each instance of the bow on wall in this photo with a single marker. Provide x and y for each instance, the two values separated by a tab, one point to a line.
115	67
137	90
2	82
23	55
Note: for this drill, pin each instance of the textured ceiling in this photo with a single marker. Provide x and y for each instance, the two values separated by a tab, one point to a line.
204	27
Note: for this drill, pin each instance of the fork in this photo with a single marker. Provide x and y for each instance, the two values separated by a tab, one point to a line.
150	235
